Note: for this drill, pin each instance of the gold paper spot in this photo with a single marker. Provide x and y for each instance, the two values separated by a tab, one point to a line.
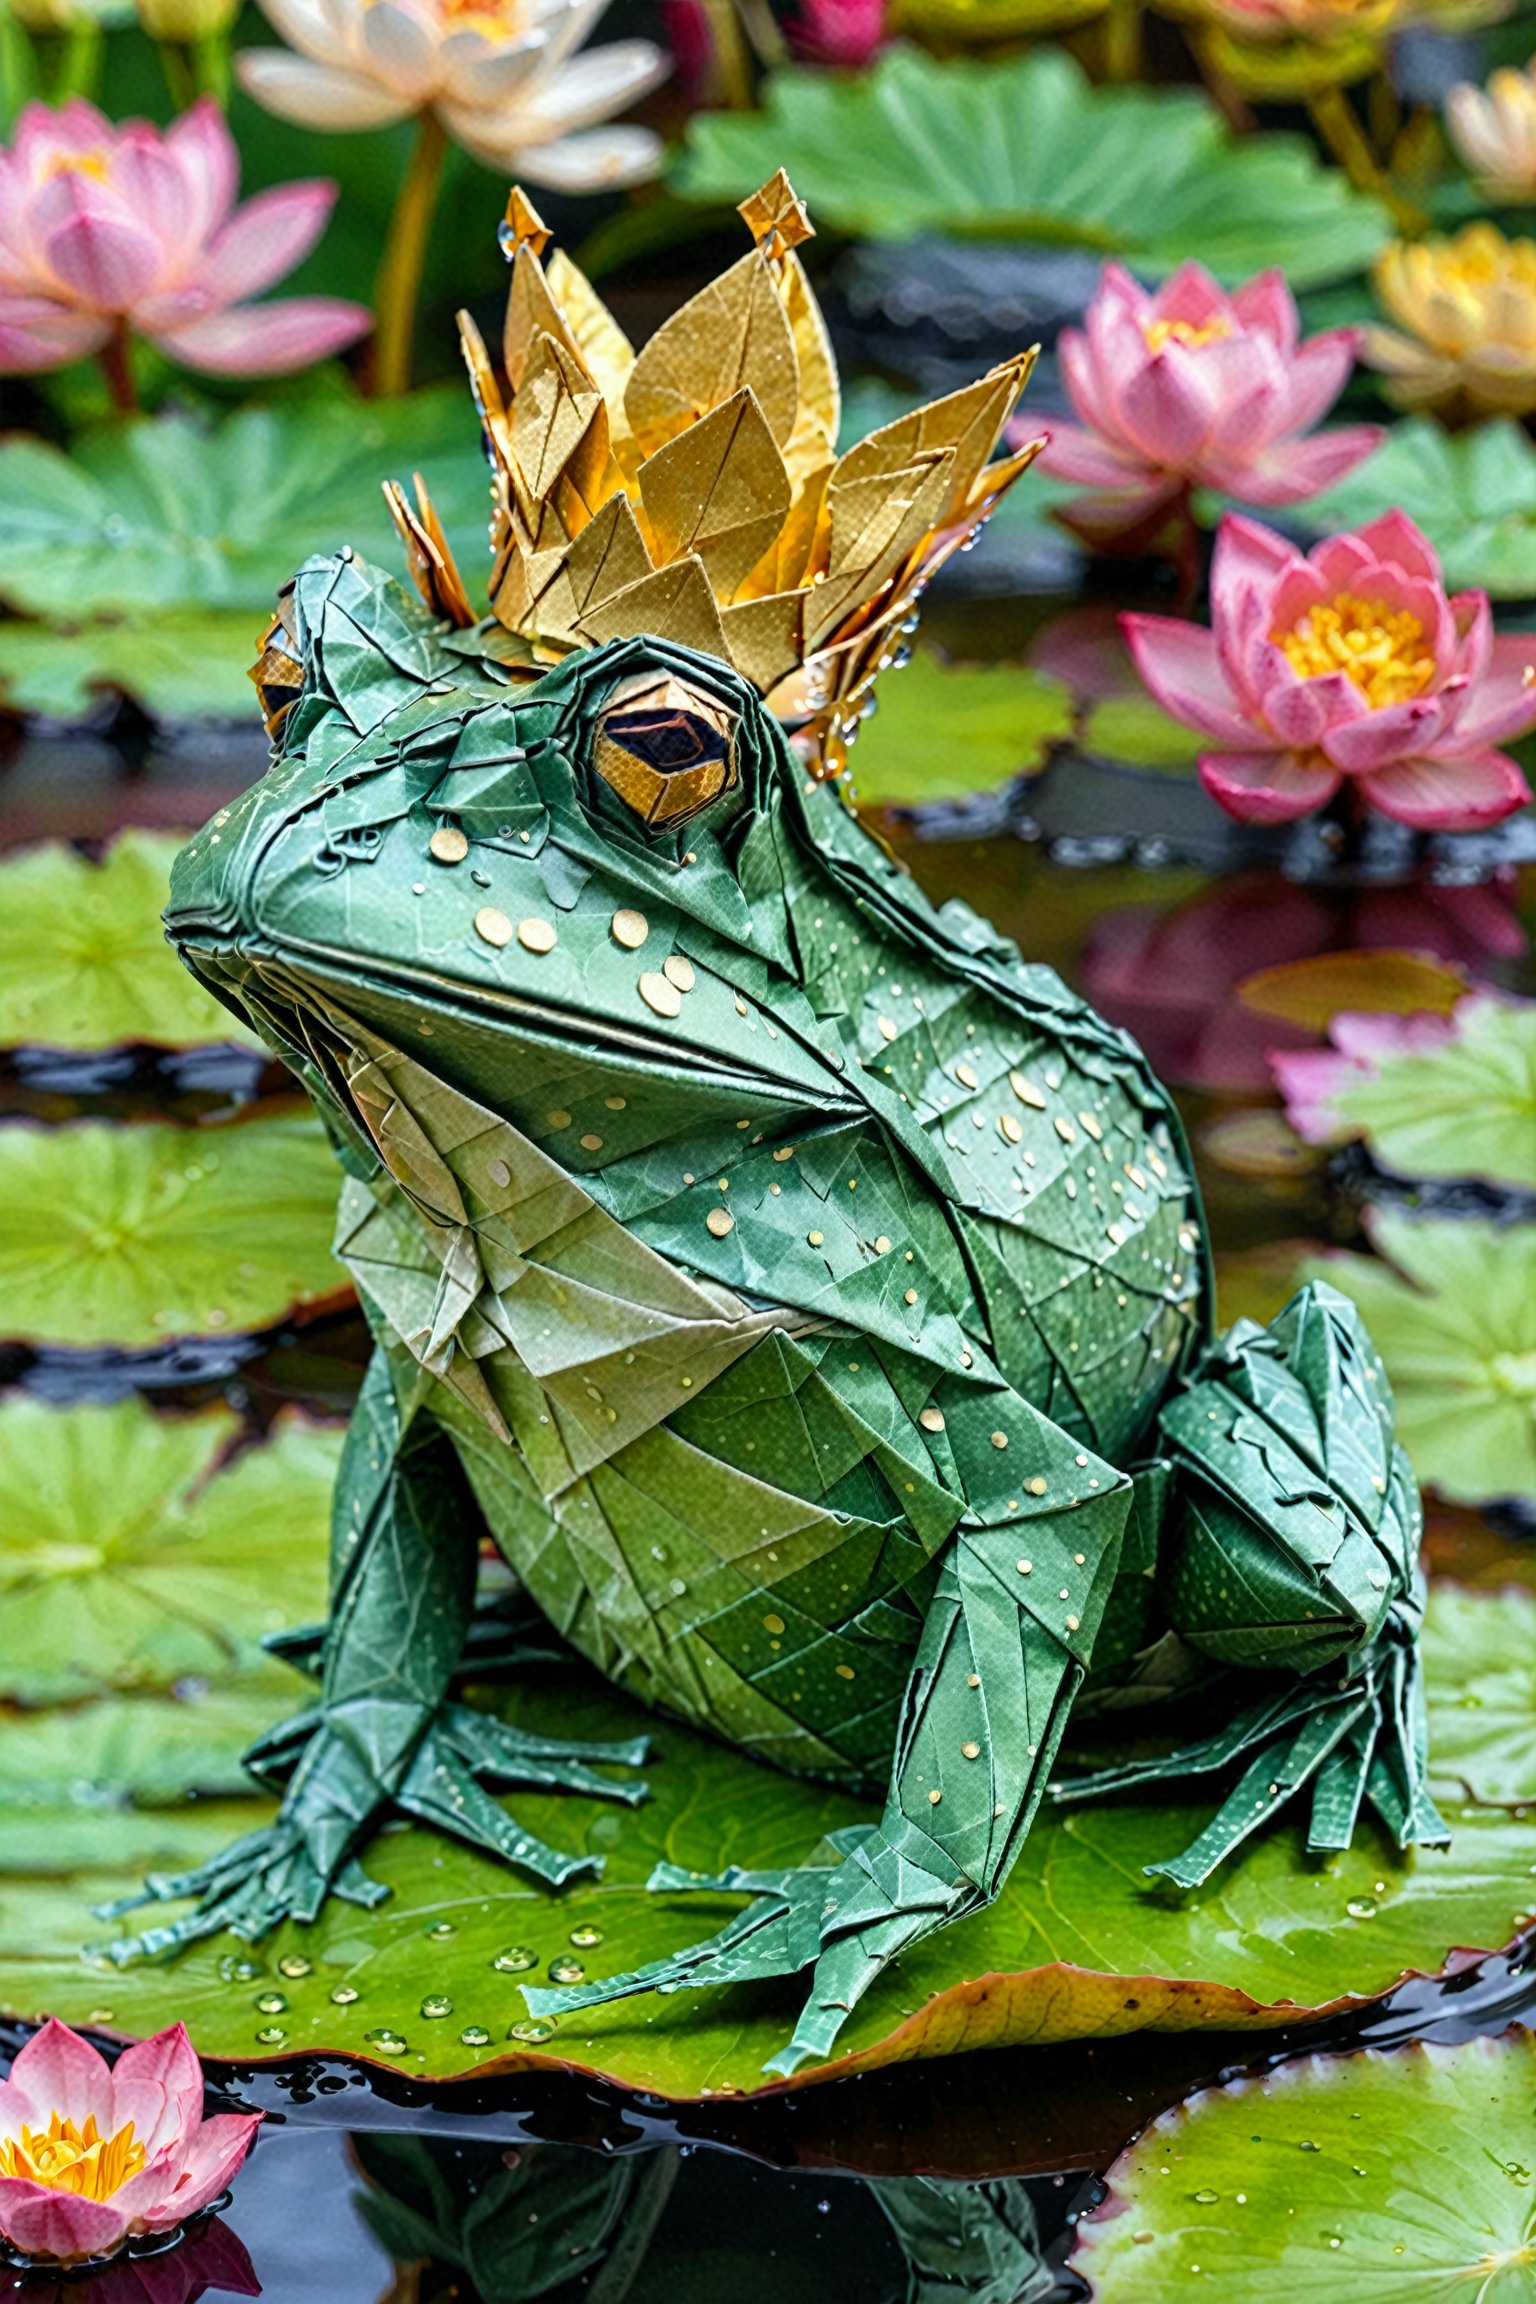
843	1671
448	845
999	1439
499	1173
965	1076
1026	1091
1037	1486
494	926
630	929
815	1238
658	994
591	1143
773	1624
888	1029
882	1246
678	971
1012	1132
719	1221
931	1419
971	1751
1064	1129
558	1119
934	1798
536	935
909	1296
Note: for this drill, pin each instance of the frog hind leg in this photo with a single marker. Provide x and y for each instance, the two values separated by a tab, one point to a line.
1007	1637
385	1736
1294	1551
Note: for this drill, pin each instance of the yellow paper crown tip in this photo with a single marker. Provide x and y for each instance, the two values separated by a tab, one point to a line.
522	226
776	217
695	489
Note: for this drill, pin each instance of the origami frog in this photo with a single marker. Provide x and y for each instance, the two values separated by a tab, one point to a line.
810	1297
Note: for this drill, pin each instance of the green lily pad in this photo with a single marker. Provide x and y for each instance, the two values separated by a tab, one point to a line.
129	1236
185	665
168	513
1473	493
83	958
1480	1655
1363	2179
1467	1108
946	731
1453	1314
149	1750
132	1557
1079	1946
1023	149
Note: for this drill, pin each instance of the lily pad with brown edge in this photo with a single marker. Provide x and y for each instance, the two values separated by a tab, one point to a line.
945	731
1312	992
1480	1657
135	1553
83	958
1370	2178
1080	1946
131	1235
1451	1307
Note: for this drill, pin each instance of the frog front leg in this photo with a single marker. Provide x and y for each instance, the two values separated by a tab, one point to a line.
385	1736
1007	1637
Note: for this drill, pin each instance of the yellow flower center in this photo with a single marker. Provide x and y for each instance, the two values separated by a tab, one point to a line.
71	2159
1380	648
93	164
1159	333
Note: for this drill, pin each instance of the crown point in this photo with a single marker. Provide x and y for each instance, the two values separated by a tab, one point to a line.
522	227
776	216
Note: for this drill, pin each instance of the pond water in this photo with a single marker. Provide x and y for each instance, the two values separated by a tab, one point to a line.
551	2186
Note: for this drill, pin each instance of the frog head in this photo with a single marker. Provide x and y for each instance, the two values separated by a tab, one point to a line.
534	886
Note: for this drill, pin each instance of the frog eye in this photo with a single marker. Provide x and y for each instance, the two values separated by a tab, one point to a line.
666	748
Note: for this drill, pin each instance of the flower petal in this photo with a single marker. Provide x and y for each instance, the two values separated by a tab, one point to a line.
1502	703
1073	452
1169	407
316	95
1317	373
213	2156
1266	305
102	261
400	51
42	2221
267	339
1248	560
51	342
204	150
599	82
308	28
1265	787
1293	470
158	2085
1371	742
263	241
1396	539
63	2073
1457	795
1181	666
1308	1078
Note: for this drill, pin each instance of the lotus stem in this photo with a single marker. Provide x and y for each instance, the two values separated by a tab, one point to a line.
79	72
1334	118
117	371
210	66
178	73
399	288
732	66
1122	41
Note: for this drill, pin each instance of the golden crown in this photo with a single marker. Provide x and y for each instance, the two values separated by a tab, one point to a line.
694	490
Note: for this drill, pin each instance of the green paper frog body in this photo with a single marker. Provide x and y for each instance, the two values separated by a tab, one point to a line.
809	1297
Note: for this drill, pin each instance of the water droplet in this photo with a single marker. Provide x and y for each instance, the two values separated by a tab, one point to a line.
586	1936
271	2035
823	2207
1206	2198
441	1930
475	2036
513	1959
1362	1907
294	1964
387	2038
239	1968
344	1995
533	2028
565	1970
437	2004
271	2003
1308	2146
1520	2174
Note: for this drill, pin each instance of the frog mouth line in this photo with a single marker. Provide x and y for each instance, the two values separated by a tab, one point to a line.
336	972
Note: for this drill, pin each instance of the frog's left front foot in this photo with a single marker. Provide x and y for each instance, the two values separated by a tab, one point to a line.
845	1919
353	1772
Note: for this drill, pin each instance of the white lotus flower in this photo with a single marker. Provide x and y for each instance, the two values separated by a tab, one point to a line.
502	77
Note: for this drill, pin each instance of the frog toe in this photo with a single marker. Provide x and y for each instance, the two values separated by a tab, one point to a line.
443	1789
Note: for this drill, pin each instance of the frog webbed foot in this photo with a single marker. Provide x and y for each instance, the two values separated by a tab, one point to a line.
346	1772
845	1919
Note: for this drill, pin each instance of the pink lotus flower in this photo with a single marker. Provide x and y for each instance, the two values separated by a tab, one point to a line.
847	32
1191	387
93	2153
1312	1079
211	2259
106	229
1348	665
